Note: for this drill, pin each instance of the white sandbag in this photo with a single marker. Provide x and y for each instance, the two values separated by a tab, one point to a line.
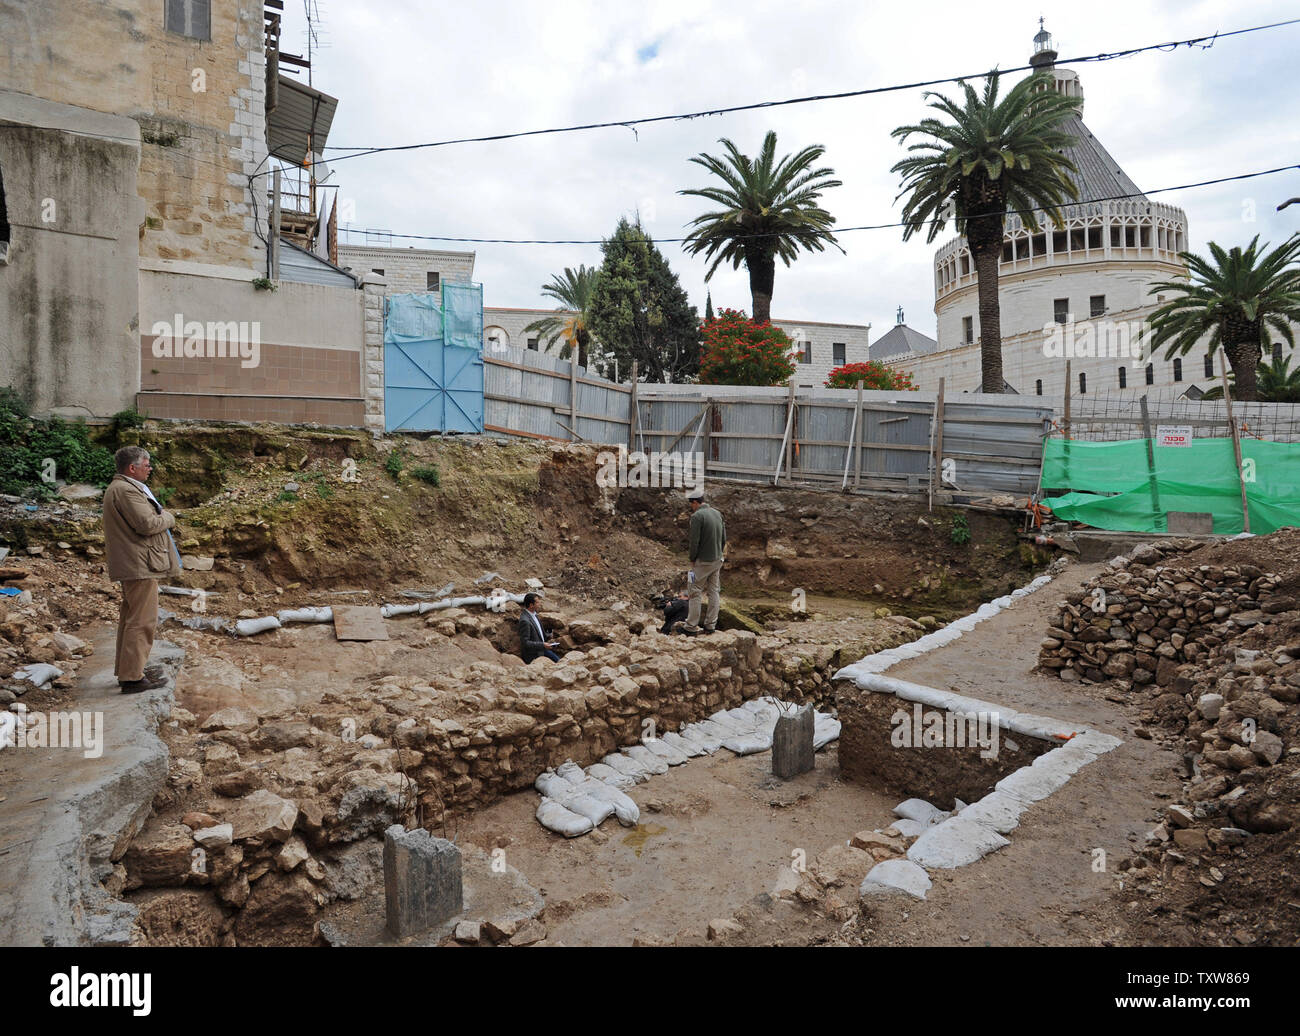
571	772
552	785
628	767
8	730
629	815
742	717
917	809
594	809
665	751
608	775
711	730
287	615
38	673
389	611
729	726
826	728
749	744
554	817
696	736
688	748
646	759
248	627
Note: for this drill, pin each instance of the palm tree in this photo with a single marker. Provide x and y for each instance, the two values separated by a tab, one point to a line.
1236	299
994	157
573	290
769	210
1275	383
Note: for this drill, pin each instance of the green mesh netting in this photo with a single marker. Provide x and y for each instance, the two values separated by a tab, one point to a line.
1201	477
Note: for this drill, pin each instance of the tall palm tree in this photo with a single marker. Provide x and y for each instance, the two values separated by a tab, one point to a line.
769	211
574	291
1275	382
1236	299
994	157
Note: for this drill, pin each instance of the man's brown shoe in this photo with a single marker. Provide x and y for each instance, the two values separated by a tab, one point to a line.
145	684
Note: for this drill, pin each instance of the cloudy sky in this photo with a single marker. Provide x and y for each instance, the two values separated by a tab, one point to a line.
411	71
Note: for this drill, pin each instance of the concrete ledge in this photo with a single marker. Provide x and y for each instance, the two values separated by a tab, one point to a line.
100	806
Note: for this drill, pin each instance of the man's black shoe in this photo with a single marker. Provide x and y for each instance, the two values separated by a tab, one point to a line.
146	684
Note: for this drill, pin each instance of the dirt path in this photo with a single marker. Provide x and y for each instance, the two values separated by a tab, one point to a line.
1043	888
715	835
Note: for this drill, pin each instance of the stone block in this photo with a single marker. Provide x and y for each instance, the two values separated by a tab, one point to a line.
422	880
792	743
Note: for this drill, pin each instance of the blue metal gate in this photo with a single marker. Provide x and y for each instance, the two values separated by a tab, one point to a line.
433	361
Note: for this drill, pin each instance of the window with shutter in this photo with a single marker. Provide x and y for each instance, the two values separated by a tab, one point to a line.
192	18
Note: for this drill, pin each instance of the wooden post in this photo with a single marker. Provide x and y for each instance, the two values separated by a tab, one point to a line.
1151	457
708	435
848	452
1065	433
1236	446
633	415
937	479
861	420
274	237
789	442
573	393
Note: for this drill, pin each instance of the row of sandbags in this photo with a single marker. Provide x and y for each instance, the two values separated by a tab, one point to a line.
575	801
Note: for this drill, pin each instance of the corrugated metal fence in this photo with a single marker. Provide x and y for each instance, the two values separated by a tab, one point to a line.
833	437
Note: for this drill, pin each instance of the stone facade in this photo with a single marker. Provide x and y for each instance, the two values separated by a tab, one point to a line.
407	270
199	103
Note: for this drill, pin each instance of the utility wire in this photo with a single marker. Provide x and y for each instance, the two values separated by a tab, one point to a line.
1204	42
843	230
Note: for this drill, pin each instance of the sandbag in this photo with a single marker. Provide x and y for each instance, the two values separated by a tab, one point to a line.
608	775
554	817
628	767
249	627
39	673
571	772
696	736
595	809
688	748
826	729
552	785
305	615
749	744
917	809
629	815
665	751
646	759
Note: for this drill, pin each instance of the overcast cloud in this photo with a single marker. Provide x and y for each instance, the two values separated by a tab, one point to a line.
407	71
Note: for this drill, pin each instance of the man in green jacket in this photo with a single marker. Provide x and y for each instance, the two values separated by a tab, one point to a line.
708	541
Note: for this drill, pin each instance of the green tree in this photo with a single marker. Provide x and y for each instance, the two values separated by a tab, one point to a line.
1236	299
639	311
995	156
572	320
769	210
1275	382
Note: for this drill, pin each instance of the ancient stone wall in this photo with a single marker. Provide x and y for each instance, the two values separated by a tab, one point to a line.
1140	621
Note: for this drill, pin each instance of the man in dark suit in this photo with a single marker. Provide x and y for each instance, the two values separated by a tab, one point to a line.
532	637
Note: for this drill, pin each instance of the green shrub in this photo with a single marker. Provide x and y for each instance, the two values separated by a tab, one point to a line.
324	490
394	462
33	452
430	475
960	530
286	497
124	419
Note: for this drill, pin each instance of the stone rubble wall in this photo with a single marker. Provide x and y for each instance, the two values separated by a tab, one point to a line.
1139	621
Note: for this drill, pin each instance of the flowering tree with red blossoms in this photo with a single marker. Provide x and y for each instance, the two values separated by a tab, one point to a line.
735	350
872	375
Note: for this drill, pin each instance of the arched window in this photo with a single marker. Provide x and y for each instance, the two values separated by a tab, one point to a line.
1083	384
1151	373
1209	365
1178	370
1277	352
1038	387
1123	378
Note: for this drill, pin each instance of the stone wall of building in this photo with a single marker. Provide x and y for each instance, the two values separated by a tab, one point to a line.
200	106
406	270
68	316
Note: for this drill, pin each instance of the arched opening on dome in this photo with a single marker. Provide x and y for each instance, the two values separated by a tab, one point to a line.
1123	377
1151	373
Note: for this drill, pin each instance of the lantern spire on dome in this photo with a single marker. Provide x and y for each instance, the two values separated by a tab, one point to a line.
1044	49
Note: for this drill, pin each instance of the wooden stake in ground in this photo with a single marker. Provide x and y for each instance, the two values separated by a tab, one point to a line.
1236	447
1151	458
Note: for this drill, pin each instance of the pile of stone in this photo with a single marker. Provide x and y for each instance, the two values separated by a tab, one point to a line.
1140	620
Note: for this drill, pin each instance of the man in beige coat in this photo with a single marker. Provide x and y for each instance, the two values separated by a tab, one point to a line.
140	551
